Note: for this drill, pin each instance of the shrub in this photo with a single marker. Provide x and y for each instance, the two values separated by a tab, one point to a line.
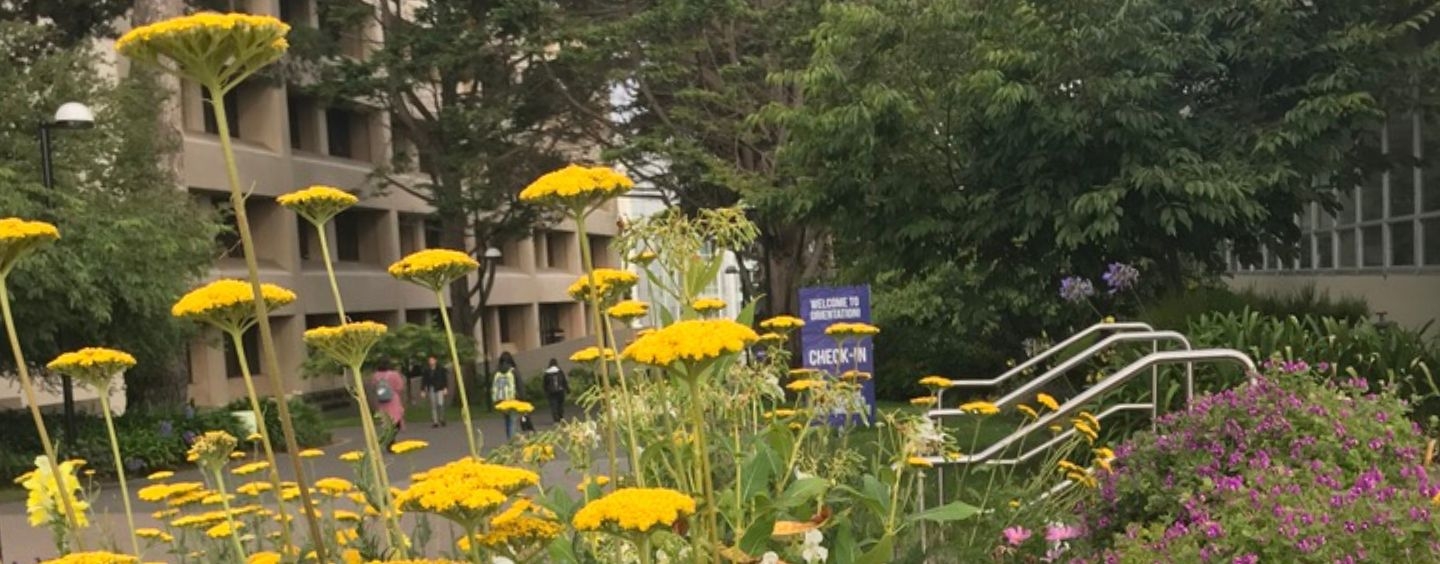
1290	466
1175	310
148	440
309	424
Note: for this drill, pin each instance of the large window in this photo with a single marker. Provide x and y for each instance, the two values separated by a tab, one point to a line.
1389	222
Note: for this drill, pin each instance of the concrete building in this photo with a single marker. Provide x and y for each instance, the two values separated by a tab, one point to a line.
286	141
1383	245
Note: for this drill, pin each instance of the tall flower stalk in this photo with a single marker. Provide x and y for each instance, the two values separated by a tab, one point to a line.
219	51
94	367
211	452
19	238
318	205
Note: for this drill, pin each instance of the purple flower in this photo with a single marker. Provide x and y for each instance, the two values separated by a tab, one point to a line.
1074	288
166	428
1061	532
1016	535
1247	558
1120	276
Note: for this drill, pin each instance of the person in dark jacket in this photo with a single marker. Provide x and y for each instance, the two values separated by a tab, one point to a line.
435	384
557	386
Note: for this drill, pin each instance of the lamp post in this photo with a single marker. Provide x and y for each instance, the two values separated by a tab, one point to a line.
70	115
487	282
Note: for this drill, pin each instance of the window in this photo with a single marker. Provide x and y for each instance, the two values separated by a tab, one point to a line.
1372	240
306	235
1431	228
1402	243
506	334
252	354
557	249
232	112
304	124
348	133
347	237
432	234
296	12
550	329
1347	248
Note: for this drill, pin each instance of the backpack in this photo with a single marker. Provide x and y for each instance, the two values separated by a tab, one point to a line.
383	393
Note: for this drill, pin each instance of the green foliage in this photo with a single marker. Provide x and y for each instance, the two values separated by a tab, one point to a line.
74	21
982	150
130	242
1177	309
407	347
149	440
309	422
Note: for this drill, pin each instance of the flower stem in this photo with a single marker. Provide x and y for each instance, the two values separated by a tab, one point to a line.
459	375
270	363
119	468
229	515
702	466
372	444
330	272
274	471
24	370
647	555
588	263
629	408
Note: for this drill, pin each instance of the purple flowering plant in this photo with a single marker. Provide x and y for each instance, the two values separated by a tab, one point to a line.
1294	467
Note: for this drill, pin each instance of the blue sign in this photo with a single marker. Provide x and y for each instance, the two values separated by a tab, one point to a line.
823	307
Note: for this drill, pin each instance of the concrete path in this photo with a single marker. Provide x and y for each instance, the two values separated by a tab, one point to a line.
21	543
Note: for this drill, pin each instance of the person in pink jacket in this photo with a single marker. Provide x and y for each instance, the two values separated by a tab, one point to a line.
389	388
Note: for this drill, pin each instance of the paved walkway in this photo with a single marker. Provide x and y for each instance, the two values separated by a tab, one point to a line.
20	543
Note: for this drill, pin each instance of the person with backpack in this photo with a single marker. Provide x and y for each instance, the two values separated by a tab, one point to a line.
434	384
389	385
503	387
557	386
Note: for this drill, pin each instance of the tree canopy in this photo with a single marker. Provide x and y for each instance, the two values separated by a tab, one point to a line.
129	246
974	154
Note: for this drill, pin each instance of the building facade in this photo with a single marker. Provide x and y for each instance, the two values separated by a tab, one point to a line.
285	141
1384	243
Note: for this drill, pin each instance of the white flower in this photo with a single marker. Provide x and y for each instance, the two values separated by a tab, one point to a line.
501	560
770	558
812	551
662	557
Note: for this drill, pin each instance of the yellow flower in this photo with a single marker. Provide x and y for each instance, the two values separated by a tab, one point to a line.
347	516
228	304
523	523
312	453
465	490
403	447
788	529
434	268
514	406
772	337
352	456
577	187
223	530
19	238
781	413
804	385
609	284
334	486
782	323
643	258
591	354
347	344
846	330
628	309
161	475
251	468
346	536
937	382
208	47
318	204
267	557
537	453
980	408
254	488
804	372
919	462
1056	428
152	533
97	557
598	481
1084	429
1028	411
691	341
1067	466
925	401
635	509
1091	419
93	366
707	304
164	514
44	502
1104	453
1014	504
1047	401
155	492
212	450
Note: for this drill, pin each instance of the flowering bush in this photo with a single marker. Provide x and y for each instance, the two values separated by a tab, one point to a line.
1284	467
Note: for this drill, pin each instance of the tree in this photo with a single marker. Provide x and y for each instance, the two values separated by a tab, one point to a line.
461	83
129	247
73	21
973	154
694	76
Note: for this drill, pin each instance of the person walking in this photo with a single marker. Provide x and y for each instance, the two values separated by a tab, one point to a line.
435	384
389	386
503	388
557	386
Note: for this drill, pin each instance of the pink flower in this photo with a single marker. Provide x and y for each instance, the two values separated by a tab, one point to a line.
1061	532
1016	535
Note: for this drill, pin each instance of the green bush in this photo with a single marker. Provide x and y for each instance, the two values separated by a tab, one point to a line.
310	427
148	440
1175	310
407	347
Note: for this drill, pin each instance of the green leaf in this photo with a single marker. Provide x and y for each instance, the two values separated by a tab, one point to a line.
802	491
882	553
757	536
562	552
955	511
757	472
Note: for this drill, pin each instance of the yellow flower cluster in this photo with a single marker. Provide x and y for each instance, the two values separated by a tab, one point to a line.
434	268
153	533
1103	457
250	468
597	481
18	237
334	486
635	509
805	385
919	462
694	340
312	453
577	186
228	304
93	366
212	450
161	492
782	323
643	258
1028	411
403	447
521	524
223	530
97	557
318	204
628	309
591	354
609	283
846	330
537	453
1085	429
855	376
229	45
781	413
347	344
514	406
1047	401
980	408
43	502
266	557
352	456
936	382
925	401
464	490
707	304
772	337
161	475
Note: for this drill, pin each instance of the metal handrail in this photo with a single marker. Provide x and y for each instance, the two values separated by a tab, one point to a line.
1047	353
1090	394
1061	437
1033	385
